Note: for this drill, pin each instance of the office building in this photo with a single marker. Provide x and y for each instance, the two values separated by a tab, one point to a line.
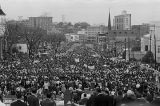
123	21
141	29
41	22
94	30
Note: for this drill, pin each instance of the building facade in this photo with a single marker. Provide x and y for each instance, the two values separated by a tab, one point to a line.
41	22
141	29
122	22
72	37
151	41
94	30
2	30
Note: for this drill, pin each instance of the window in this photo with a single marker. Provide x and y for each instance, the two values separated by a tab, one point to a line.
146	47
159	49
20	47
158	58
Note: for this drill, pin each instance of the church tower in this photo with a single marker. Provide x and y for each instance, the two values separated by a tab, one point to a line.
109	22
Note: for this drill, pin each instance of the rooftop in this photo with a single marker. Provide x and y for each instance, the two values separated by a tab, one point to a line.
1	11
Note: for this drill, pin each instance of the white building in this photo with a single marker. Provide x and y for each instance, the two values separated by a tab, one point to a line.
72	37
123	21
152	41
82	32
22	48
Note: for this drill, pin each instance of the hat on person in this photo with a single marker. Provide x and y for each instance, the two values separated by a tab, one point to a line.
112	93
70	88
98	89
138	85
129	92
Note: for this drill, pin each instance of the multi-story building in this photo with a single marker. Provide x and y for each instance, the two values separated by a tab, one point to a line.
141	29
72	37
41	22
94	30
2	30
122	22
25	22
151	41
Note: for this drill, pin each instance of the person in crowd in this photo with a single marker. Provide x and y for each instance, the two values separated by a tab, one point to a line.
156	101
68	95
48	101
83	100
19	101
1	101
129	97
32	99
102	99
119	98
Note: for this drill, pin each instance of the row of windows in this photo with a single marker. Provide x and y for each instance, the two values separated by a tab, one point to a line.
147	49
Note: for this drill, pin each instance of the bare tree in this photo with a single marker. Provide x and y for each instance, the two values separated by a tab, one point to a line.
13	34
32	37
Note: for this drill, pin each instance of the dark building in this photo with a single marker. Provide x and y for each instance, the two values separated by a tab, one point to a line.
41	22
141	29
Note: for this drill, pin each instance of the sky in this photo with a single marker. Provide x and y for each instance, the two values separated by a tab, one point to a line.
91	11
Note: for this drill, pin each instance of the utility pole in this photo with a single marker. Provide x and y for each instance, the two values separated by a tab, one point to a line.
125	48
115	49
155	62
128	47
150	40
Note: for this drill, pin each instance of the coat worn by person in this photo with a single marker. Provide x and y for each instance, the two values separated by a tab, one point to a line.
156	102
33	100
103	100
18	103
48	102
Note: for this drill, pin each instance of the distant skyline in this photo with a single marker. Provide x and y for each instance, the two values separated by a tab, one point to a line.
91	11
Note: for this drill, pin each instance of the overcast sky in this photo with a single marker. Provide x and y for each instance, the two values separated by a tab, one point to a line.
91	11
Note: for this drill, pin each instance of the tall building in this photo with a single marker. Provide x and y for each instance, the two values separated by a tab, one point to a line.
2	30
93	31
123	21
141	29
41	22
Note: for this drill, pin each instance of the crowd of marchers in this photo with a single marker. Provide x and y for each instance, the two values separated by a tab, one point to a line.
79	79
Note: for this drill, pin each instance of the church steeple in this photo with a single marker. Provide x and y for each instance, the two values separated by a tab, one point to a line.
1	11
109	21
